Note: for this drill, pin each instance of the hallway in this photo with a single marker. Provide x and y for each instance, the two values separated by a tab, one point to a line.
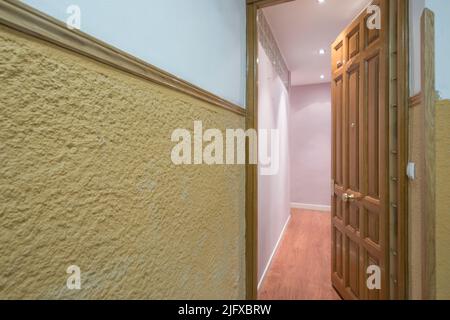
225	150
301	268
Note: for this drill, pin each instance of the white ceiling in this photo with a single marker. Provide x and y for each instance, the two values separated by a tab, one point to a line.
303	27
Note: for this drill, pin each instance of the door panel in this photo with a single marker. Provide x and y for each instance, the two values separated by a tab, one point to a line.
353	121
360	159
337	253
353	42
353	267
372	76
338	134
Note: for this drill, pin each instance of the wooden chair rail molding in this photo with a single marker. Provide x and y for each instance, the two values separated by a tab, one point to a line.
416	100
24	18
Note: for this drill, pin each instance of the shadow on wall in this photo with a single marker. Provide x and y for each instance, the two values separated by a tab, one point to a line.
273	190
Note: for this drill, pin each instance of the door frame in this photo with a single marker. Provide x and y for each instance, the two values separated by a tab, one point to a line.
399	40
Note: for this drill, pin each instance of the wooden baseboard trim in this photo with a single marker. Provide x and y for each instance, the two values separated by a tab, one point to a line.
314	207
21	17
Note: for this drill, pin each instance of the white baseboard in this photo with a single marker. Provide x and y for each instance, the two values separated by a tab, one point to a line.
314	207
273	252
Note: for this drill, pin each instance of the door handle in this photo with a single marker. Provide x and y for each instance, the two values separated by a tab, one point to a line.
348	197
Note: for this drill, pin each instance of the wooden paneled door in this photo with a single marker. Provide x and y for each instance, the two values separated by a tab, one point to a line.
360	212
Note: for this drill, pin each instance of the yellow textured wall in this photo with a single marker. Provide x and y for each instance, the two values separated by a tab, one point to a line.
443	199
416	200
86	179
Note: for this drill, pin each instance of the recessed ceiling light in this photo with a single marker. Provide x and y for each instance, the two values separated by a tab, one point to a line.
320	1
321	51
322	76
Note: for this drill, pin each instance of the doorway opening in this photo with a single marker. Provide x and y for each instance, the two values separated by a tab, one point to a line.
332	88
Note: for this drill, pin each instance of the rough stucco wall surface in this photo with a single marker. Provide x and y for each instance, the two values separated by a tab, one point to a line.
443	199
416	200
86	179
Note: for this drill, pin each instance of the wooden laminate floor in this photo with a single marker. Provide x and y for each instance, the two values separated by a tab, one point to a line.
301	268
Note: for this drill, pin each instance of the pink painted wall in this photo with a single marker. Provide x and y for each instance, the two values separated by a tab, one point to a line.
273	190
310	144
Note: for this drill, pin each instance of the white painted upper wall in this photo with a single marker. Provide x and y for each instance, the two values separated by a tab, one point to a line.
415	12
441	9
200	41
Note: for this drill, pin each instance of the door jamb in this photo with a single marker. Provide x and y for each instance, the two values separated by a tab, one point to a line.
402	49
251	197
251	172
